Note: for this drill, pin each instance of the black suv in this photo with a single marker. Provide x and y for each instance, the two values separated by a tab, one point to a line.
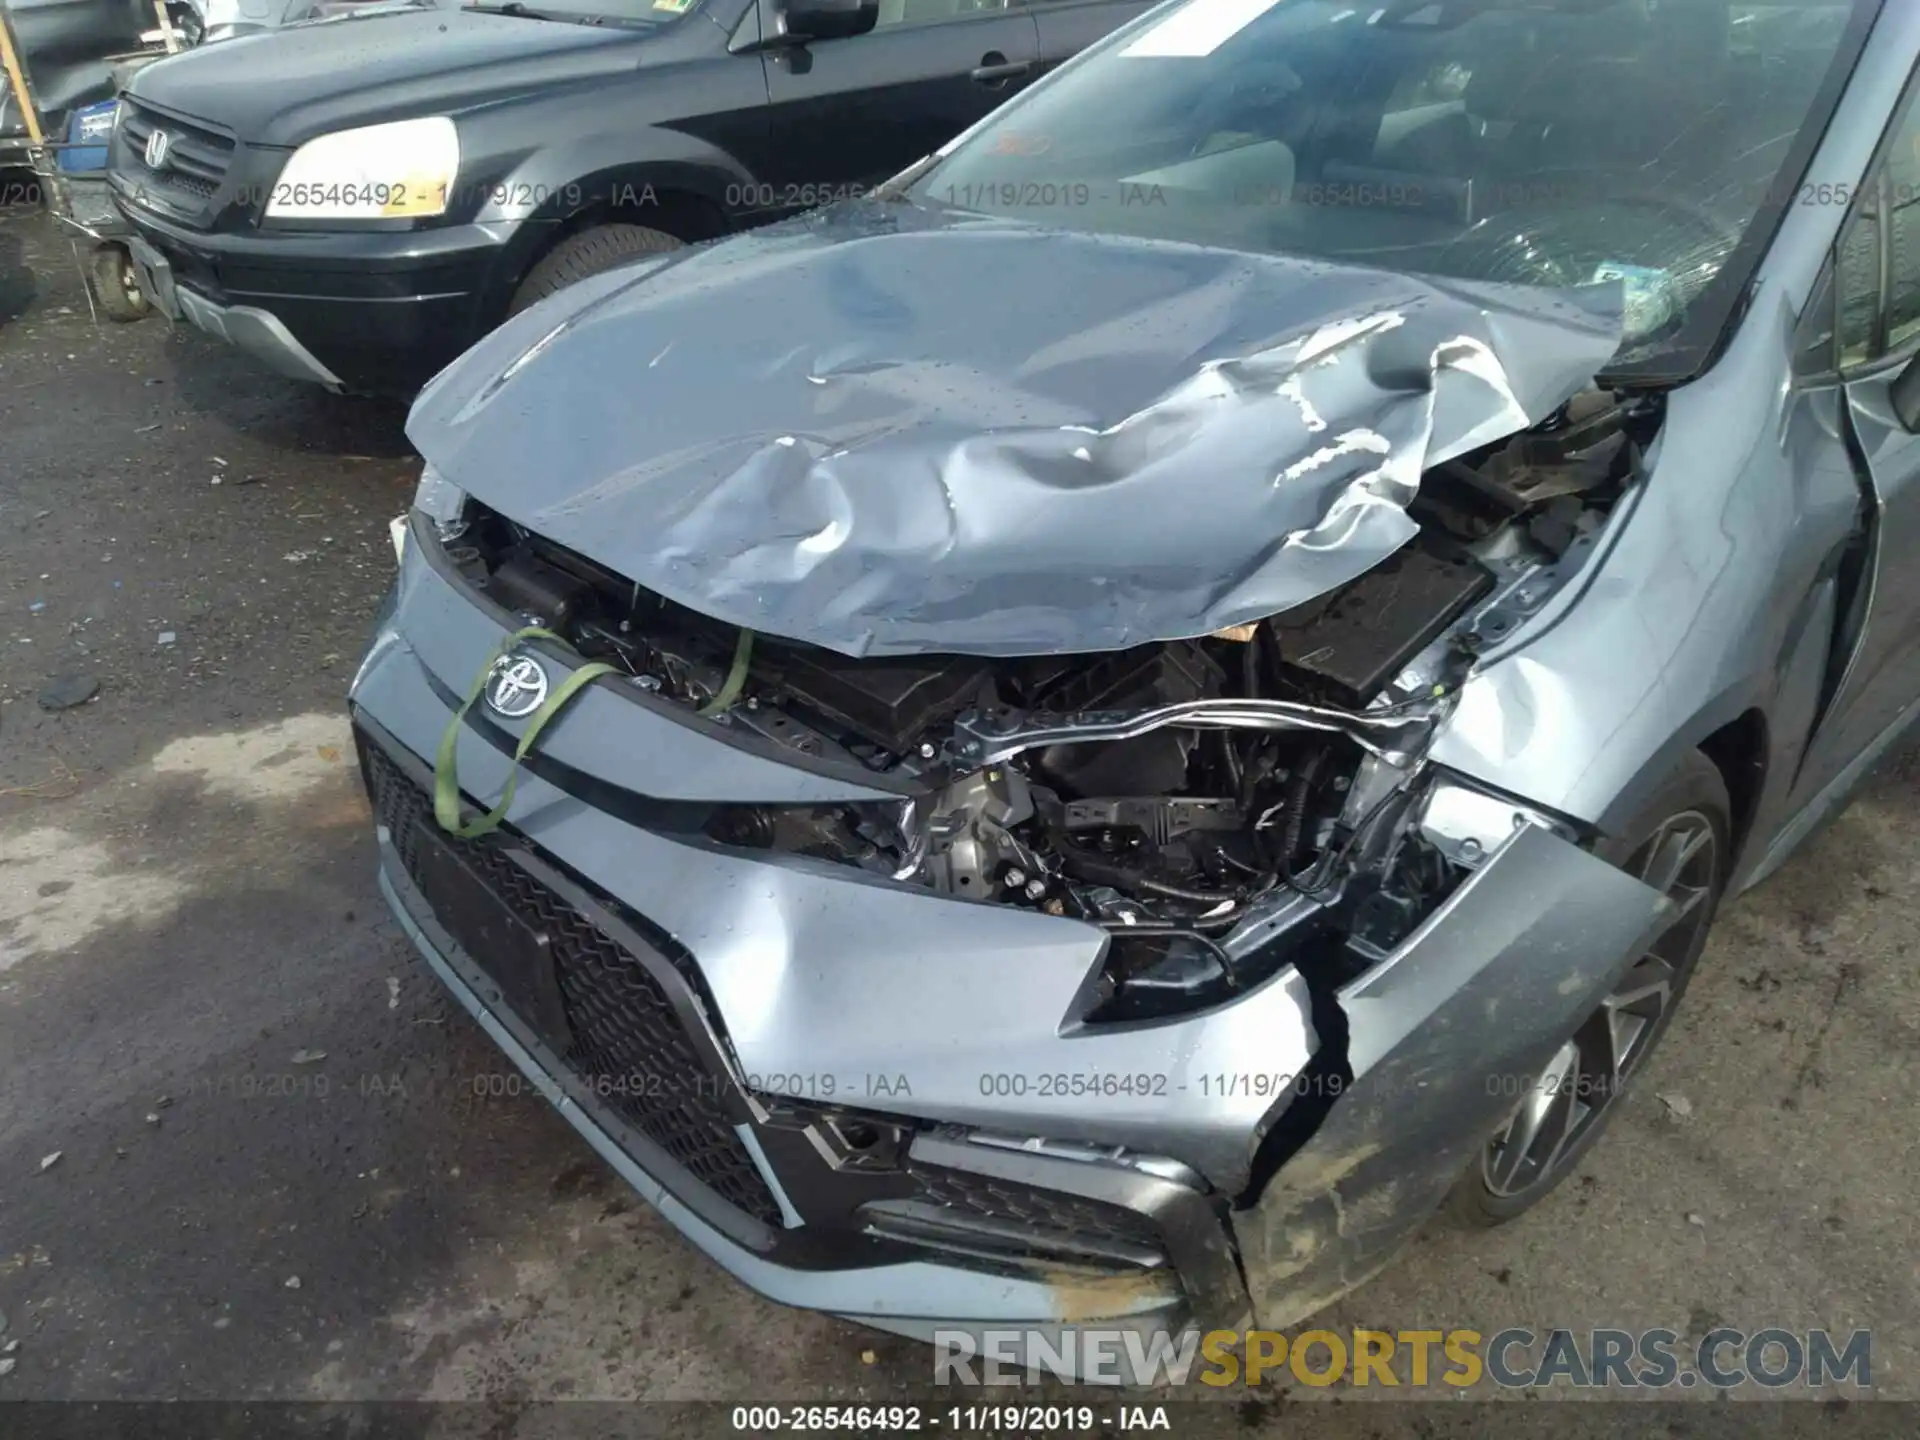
355	201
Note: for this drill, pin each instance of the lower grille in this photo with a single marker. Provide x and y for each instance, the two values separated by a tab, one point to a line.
629	1050
961	1193
982	1215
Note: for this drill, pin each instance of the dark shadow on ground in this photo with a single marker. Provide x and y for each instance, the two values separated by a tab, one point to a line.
18	285
237	393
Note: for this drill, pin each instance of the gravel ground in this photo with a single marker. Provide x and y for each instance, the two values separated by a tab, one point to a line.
278	1174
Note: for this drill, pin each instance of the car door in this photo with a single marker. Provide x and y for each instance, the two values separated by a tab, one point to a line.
851	112
1069	26
1863	338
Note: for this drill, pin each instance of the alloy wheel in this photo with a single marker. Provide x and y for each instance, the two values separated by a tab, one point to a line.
1588	1072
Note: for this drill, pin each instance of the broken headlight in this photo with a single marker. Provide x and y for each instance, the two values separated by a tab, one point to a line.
442	502
878	836
1159	972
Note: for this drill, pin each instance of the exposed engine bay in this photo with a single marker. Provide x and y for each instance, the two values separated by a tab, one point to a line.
1197	798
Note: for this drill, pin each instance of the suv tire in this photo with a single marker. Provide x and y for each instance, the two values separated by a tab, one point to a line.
588	252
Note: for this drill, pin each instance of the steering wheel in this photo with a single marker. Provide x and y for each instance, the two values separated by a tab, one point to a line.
1548	242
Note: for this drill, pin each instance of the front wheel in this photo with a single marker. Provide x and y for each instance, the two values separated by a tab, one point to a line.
589	252
115	289
1679	844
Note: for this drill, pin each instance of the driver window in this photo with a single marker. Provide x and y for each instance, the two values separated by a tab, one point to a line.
931	12
1877	260
1901	195
1857	277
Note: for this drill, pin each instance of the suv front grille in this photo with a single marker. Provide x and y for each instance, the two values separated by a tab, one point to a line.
629	1049
197	158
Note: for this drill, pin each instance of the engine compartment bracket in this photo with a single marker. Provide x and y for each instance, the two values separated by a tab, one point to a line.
1395	737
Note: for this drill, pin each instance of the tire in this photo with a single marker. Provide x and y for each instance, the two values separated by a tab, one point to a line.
1692	797
110	279
592	251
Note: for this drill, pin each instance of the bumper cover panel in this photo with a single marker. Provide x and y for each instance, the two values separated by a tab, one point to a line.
371	309
1440	1036
910	1297
258	332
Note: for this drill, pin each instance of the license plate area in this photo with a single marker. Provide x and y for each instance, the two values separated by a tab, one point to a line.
515	955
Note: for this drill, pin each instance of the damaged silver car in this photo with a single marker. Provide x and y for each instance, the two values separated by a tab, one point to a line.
1094	737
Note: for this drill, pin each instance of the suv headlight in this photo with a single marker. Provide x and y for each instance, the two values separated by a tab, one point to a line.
377	172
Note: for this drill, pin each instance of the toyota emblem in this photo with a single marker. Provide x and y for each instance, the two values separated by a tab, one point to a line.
158	143
516	686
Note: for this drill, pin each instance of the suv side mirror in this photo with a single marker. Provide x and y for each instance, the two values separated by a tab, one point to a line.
801	20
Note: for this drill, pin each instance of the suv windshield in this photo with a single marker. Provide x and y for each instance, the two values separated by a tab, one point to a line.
1539	142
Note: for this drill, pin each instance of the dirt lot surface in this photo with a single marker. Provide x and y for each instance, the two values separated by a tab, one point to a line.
278	1173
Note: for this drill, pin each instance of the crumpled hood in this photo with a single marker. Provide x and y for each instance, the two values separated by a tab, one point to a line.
888	430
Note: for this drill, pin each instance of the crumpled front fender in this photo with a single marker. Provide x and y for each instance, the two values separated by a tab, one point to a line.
1442	1039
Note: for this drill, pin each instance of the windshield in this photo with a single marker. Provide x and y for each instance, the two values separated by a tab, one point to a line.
1539	142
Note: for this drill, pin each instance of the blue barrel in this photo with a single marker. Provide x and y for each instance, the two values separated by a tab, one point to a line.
87	131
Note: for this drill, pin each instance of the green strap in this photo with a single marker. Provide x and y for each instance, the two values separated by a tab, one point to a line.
446	781
736	680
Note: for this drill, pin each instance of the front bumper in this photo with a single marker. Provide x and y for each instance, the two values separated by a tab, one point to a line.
372	312
789	978
876	1282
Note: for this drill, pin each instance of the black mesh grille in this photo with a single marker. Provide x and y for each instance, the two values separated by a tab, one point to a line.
963	1196
629	1049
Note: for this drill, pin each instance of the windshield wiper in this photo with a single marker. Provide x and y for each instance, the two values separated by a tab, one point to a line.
525	12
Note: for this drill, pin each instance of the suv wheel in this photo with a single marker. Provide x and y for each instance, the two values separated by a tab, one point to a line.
589	252
1680	845
115	290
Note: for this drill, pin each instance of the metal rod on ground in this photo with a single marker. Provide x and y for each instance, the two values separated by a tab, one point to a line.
86	285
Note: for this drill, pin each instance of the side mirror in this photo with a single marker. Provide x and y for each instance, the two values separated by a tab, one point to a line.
1904	395
801	20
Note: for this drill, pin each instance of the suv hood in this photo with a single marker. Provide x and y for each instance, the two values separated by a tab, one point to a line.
281	87
889	430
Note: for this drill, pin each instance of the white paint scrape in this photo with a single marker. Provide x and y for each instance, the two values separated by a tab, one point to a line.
280	761
57	888
61	884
